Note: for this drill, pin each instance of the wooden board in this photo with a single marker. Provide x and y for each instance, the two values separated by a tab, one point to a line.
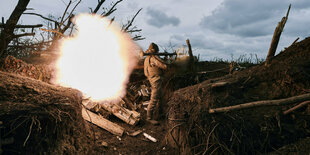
102	122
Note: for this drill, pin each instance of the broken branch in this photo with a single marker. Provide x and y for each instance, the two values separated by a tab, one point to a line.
22	35
289	100
296	107
71	13
112	9
295	41
131	21
23	26
54	31
63	16
36	14
98	6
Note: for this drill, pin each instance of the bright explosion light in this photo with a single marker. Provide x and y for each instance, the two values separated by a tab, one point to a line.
98	60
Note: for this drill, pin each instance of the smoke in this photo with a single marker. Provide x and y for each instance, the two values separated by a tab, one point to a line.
98	60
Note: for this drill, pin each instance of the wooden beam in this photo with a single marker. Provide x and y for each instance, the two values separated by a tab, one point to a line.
289	100
103	123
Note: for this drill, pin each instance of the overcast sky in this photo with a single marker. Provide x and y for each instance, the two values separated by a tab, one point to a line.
216	29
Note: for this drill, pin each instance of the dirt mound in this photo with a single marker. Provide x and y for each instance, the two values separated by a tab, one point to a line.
38	118
257	130
20	67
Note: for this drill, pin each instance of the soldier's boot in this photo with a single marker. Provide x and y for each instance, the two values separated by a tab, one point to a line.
150	115
152	121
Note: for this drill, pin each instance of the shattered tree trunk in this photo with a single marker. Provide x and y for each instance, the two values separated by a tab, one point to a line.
191	56
276	37
7	34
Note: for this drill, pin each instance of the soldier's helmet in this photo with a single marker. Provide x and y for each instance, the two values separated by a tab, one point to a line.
153	48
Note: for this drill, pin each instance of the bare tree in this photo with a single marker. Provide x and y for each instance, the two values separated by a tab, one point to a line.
7	34
55	29
128	27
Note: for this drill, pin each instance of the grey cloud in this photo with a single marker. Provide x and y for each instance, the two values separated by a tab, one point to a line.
246	18
160	19
297	25
301	4
198	41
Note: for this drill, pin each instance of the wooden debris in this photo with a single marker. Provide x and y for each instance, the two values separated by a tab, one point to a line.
129	103
149	137
103	143
128	116
296	107
102	122
289	100
144	91
88	104
219	84
146	103
133	134
232	67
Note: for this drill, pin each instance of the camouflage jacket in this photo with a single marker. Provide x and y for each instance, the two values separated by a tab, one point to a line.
154	65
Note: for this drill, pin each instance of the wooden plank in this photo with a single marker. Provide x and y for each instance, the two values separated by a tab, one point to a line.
129	103
103	123
135	133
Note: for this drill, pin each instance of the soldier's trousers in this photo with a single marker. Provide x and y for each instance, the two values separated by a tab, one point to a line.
156	85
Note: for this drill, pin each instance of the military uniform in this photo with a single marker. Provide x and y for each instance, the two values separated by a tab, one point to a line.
154	68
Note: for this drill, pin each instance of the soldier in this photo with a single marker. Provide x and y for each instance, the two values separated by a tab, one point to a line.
154	68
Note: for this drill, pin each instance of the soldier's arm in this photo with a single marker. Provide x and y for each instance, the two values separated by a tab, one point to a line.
159	63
